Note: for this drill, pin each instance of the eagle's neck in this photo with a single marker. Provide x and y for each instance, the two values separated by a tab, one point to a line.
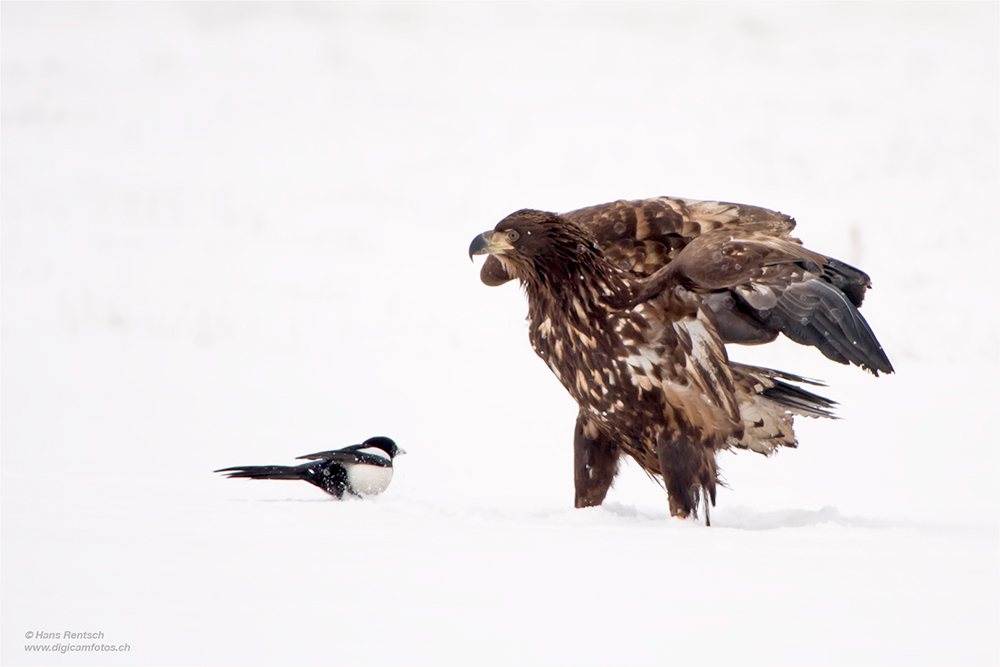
582	289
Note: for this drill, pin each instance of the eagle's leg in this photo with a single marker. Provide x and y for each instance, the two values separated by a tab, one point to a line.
689	471
595	463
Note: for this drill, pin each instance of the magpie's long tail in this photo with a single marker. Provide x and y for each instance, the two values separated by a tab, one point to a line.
268	472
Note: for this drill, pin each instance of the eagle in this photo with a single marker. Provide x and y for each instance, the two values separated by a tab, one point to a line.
631	305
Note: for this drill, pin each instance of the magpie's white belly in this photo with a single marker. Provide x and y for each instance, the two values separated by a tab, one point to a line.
367	479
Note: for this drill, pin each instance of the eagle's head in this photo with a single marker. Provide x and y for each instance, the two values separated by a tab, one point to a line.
531	246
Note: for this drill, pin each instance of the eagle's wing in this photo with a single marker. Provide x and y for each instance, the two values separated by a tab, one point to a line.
644	235
776	285
756	278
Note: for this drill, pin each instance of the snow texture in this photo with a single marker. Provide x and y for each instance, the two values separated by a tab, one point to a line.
237	233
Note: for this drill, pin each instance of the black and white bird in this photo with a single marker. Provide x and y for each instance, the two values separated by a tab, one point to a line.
358	470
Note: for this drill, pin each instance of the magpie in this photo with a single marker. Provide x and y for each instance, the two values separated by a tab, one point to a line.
358	470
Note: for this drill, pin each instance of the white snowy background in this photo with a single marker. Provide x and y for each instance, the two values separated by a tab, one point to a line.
234	233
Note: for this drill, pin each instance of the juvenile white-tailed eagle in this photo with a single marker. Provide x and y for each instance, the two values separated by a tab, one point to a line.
631	304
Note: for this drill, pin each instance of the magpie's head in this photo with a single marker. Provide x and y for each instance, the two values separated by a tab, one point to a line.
385	444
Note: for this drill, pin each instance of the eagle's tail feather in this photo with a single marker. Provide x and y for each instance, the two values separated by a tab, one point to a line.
799	400
768	403
777	386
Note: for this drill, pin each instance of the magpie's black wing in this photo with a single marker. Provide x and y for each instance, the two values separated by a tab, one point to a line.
343	455
352	454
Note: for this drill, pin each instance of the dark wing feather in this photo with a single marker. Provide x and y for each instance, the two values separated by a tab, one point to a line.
343	455
811	311
352	454
849	280
735	322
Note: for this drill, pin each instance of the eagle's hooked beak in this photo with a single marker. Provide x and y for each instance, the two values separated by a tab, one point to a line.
488	243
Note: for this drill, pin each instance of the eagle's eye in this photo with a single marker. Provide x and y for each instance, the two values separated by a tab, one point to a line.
511	235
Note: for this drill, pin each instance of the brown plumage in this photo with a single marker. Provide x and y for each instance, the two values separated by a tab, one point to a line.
631	303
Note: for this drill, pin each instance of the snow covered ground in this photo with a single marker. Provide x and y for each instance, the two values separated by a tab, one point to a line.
235	233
